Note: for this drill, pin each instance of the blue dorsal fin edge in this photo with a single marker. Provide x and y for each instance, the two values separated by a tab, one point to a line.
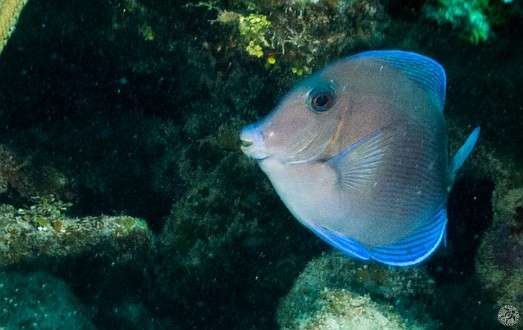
462	154
424	70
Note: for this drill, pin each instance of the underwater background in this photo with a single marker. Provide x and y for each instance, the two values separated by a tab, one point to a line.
126	202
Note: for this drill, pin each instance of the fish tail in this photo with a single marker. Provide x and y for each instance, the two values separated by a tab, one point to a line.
462	154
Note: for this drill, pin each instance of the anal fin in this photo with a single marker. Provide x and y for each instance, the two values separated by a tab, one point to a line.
416	248
342	243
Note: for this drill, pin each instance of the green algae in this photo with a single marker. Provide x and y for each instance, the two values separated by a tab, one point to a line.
300	35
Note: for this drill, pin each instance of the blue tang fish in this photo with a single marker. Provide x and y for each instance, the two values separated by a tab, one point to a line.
358	154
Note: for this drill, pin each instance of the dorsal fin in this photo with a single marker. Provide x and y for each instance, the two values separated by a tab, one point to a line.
427	72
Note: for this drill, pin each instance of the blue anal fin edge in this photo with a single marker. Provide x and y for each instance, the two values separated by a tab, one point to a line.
344	244
416	248
410	251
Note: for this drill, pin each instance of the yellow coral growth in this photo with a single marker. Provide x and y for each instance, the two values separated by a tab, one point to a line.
9	12
253	28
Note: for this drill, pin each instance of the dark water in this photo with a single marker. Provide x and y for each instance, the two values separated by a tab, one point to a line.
134	109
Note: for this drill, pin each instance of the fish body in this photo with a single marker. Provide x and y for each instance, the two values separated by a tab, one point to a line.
358	154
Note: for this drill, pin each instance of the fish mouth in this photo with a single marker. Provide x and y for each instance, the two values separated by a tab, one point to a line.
251	142
245	144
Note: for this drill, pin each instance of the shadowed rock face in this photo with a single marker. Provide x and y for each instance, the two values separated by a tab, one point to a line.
29	177
499	262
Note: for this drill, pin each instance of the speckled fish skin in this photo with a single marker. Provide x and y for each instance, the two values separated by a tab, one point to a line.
358	154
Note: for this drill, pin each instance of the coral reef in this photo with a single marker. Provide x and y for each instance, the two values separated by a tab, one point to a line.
39	301
473	17
304	34
335	270
45	212
27	178
340	309
42	233
333	293
497	255
224	238
134	108
253	29
499	262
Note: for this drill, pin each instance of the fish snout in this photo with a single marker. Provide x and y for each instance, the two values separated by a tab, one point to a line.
252	142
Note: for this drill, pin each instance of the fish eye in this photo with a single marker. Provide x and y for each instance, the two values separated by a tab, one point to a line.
321	100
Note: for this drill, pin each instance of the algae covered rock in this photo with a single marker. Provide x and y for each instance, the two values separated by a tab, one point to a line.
39	301
340	309
226	248
499	262
301	33
29	177
32	236
333	292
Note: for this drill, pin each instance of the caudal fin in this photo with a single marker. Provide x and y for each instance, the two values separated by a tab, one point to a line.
462	154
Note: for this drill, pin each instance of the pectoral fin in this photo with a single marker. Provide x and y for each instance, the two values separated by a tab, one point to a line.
357	165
